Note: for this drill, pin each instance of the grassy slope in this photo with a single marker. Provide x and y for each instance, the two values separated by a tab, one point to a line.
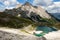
18	22
15	22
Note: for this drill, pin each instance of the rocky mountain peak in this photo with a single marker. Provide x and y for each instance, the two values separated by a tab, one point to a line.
27	9
18	5
28	4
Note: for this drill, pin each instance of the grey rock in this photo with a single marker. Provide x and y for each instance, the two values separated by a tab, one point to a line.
11	36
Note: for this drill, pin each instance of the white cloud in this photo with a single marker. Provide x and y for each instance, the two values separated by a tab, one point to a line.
49	5
8	3
54	8
43	2
57	4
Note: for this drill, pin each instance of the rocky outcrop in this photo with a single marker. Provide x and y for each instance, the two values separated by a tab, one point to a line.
13	35
16	34
53	35
27	10
30	8
35	9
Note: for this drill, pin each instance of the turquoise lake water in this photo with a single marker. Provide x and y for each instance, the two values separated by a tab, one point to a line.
45	30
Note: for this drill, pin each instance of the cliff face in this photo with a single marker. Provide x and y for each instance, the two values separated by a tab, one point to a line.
28	9
35	9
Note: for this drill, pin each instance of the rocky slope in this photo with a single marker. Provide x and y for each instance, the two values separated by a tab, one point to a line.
35	9
15	34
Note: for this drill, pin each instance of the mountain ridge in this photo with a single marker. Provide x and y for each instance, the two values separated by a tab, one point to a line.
30	8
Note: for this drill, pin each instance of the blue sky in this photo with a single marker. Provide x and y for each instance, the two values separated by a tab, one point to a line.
49	5
56	0
31	1
23	1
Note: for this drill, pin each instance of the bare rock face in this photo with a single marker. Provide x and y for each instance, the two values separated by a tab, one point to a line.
53	35
12	36
34	38
9	36
18	5
36	9
28	9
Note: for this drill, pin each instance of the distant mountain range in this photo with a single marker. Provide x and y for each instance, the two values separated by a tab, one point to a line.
56	15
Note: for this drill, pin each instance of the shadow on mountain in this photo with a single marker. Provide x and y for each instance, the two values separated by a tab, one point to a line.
57	16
